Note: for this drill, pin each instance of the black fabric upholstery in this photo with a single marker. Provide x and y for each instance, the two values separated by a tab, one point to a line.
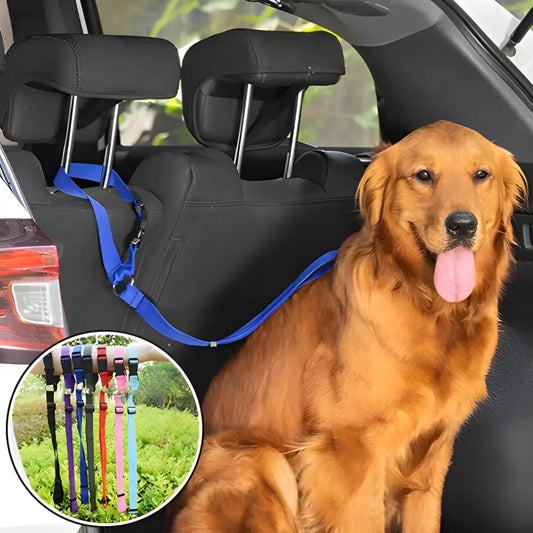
278	64
40	71
489	487
227	246
88	300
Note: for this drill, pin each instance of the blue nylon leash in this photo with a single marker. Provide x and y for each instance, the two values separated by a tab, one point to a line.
80	384
133	364
121	273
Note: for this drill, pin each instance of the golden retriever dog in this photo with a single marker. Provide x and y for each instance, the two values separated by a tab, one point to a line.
340	412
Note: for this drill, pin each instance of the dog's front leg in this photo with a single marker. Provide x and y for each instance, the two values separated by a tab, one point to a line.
342	483
421	510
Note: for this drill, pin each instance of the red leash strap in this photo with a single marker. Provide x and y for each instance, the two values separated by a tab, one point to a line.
105	376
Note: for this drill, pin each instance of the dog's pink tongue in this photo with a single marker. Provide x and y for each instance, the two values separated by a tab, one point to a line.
455	274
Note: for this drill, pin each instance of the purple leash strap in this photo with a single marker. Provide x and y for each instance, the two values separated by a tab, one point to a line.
68	377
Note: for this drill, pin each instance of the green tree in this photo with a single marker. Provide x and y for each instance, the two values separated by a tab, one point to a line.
162	385
349	106
107	339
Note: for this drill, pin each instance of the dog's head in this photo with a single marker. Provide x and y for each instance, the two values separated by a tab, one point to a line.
442	198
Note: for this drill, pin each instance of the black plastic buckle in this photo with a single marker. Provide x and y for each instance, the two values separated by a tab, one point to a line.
76	362
69	408
132	410
79	403
119	409
103	406
51	406
137	239
119	367
87	364
133	365
89	408
66	364
141	223
102	363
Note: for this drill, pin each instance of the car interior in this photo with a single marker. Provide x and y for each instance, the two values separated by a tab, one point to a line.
233	218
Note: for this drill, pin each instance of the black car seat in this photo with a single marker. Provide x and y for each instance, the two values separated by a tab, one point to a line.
489	488
40	75
277	66
228	246
217	248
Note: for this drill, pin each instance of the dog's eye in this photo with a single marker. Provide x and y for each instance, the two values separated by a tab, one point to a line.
424	176
481	175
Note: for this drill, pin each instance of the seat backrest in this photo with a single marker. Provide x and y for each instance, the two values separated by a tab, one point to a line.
41	73
278	66
489	486
228	246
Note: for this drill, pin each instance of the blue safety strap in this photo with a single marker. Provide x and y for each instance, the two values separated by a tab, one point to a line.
121	274
133	364
80	384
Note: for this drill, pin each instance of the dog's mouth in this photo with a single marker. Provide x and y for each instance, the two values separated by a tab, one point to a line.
430	257
454	275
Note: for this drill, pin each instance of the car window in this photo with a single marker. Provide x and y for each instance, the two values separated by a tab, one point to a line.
341	115
5	25
517	7
7	39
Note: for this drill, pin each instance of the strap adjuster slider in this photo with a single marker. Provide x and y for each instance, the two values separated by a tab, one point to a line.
119	287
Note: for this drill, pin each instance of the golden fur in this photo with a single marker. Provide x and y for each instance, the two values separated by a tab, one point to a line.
340	412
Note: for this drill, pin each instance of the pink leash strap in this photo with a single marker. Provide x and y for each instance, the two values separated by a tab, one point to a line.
120	378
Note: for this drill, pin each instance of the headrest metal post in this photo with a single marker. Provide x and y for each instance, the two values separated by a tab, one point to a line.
289	161
68	147
241	139
109	155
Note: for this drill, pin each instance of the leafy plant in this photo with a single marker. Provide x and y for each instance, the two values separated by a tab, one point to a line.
166	439
108	339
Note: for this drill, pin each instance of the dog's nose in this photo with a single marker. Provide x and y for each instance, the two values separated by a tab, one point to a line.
461	224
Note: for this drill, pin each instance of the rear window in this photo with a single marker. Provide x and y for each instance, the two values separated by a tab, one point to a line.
342	115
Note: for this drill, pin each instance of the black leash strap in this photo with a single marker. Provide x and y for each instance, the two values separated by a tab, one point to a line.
91	379
51	387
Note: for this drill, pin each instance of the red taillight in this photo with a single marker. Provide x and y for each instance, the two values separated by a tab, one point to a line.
31	316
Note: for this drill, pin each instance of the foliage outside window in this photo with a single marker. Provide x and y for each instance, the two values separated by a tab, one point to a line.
517	7
341	115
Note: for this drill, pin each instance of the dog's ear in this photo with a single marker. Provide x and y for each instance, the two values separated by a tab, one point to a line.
515	191
371	189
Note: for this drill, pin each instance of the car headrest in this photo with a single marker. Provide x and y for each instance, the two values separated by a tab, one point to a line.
277	63
41	71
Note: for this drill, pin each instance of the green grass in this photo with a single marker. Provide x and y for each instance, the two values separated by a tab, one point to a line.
167	441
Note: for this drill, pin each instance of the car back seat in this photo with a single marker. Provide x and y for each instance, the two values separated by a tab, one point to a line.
228	246
40	73
489	487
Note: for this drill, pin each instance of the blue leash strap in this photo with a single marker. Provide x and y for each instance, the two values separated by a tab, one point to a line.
121	273
133	364
80	384
116	269
138	301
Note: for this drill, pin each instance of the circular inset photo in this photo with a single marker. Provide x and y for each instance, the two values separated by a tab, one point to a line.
104	428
